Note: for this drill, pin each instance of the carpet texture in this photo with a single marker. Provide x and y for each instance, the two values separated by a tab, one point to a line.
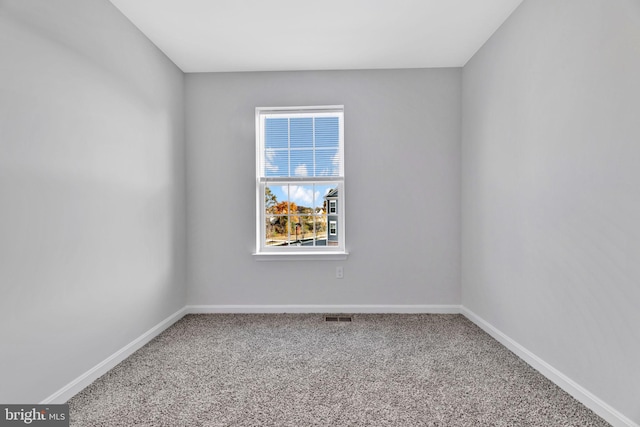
298	370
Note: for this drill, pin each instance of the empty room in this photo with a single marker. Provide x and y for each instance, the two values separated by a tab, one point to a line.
194	201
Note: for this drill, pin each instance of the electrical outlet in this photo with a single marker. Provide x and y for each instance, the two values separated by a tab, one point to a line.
339	272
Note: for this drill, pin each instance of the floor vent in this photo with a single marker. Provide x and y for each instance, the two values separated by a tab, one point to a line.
337	318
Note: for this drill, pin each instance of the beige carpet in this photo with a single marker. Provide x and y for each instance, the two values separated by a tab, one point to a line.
298	370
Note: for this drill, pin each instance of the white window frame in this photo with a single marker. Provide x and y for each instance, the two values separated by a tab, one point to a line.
268	253
332	206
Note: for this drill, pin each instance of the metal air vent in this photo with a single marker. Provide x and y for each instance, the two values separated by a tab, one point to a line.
338	318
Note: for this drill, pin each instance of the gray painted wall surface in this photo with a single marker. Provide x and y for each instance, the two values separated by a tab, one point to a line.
550	231
402	152
92	227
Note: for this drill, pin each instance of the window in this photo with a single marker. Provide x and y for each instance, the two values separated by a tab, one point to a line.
332	228
300	181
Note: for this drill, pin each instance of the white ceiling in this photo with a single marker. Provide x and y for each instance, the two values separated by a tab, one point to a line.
270	35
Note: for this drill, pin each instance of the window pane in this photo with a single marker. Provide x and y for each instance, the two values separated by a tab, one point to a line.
276	163
276	198
321	230
301	131
307	230
327	132
322	190
302	163
276	230
302	198
276	133
327	162
302	229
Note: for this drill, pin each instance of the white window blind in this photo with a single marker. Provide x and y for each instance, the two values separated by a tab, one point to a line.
301	145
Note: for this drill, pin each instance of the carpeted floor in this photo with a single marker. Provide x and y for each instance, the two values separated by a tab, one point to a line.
298	370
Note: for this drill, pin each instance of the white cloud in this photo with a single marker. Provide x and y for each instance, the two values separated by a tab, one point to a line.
301	170
269	154
302	196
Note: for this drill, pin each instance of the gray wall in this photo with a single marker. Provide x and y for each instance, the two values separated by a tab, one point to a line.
402	155
92	219
550	189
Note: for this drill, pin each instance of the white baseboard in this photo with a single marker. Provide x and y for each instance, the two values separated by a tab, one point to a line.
77	385
439	309
589	400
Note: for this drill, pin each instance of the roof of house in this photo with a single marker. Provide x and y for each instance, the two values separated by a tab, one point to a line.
332	193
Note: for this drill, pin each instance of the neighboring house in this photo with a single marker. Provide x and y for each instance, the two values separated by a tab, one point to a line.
332	217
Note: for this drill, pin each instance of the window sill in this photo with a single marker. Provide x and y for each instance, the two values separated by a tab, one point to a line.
300	256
